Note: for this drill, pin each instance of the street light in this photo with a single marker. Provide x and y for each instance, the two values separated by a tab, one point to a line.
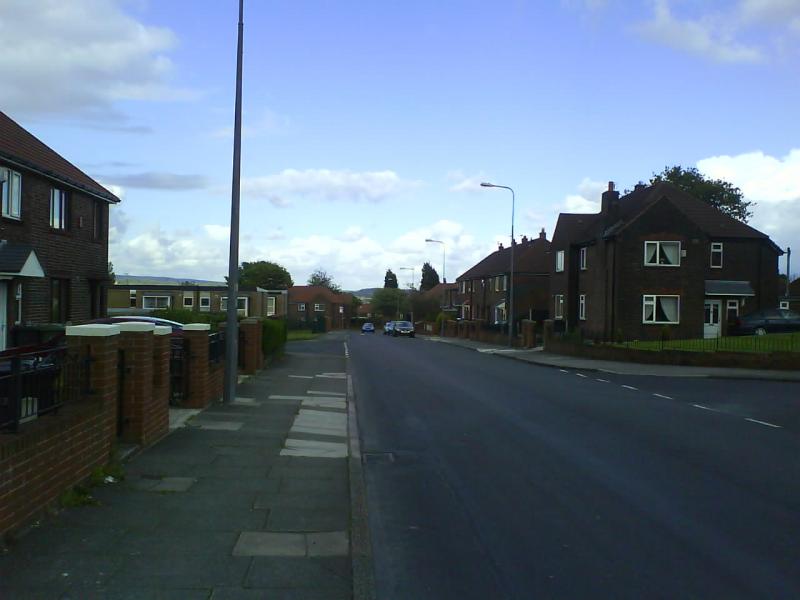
444	276
510	317
412	286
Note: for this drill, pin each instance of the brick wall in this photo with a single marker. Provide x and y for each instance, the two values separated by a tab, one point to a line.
198	391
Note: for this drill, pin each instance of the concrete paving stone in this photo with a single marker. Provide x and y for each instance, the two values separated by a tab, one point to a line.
48	539
139	483
279	594
266	543
223	471
174	484
302	500
59	572
166	544
314	486
213	425
91	517
308	520
225	518
314	449
137	593
330	574
307	461
213	485
307	472
181	570
318	434
328	543
261	460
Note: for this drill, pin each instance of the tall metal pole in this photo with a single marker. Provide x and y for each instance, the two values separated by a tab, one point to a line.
232	328
510	318
444	278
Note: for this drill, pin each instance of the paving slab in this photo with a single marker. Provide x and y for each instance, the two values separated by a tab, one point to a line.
307	519
328	543
331	574
266	543
173	484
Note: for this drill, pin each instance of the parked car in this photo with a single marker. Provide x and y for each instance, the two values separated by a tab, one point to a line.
368	328
772	320
403	328
388	327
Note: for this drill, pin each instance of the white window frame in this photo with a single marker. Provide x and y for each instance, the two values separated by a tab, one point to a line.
11	193
270	305
319	307
582	259
301	307
156	298
466	311
131	298
582	307
558	310
648	299
59	200
784	305
731	304
497	284
716	248
658	253
18	301
560	261
244	311
505	282
205	302
500	310
190	303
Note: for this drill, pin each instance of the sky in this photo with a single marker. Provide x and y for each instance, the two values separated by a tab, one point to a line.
368	126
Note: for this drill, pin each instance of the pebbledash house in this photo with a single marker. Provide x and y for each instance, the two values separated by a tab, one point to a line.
53	236
658	262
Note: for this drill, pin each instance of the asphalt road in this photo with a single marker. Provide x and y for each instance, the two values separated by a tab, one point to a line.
489	478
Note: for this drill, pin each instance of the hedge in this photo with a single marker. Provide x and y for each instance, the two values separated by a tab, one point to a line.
273	336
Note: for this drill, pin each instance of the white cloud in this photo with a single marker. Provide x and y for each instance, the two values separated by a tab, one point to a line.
712	36
78	58
267	122
326	185
218	232
465	183
156	181
772	182
587	198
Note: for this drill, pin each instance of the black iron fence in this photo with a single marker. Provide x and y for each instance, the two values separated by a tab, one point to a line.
178	366
33	384
216	347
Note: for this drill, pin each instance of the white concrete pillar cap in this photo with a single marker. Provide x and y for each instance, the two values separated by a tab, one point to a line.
137	326
197	327
93	330
162	330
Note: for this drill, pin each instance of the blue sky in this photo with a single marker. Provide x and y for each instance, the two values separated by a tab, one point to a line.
369	125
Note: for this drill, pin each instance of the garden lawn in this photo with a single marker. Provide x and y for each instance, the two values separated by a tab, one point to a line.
773	342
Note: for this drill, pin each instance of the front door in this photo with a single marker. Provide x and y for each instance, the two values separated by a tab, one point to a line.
711	325
3	314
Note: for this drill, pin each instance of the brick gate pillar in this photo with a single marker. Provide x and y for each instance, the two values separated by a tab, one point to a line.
157	411
197	385
136	345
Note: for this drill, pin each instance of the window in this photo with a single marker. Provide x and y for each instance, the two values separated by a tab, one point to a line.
716	255
500	313
10	192
59	300
319	308
582	307
465	311
559	306
132	301
270	305
463	287
18	302
559	261
97	220
784	305
583	258
661	309
59	207
732	307
205	303
505	282
156	302
241	305
188	301
662	254
301	307
497	284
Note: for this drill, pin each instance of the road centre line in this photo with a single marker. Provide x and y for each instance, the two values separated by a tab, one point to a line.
762	423
580	375
602	380
663	396
706	408
563	370
630	387
301	376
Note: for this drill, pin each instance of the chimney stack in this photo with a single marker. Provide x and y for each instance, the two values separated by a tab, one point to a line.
542	234
610	198
500	246
639	186
524	239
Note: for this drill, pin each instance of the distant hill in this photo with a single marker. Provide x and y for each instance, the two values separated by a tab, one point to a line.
154	280
366	293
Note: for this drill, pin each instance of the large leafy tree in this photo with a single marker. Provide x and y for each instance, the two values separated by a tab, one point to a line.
265	274
717	192
425	307
390	280
430	278
321	278
389	302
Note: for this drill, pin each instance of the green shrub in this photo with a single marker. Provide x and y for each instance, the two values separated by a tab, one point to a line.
442	316
273	336
183	315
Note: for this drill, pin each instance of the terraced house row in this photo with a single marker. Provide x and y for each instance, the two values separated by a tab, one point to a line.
654	262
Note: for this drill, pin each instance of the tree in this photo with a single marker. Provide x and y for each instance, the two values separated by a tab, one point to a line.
425	307
390	280
111	276
264	274
389	301
430	278
716	192
321	278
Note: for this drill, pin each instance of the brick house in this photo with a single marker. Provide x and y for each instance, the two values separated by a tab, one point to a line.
484	288
792	301
53	236
306	303
449	297
658	262
253	302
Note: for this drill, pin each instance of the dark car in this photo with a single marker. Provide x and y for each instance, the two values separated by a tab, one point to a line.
772	320
388	327
368	328
403	328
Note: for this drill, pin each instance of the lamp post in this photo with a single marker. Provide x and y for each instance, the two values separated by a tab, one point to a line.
510	317
412	285
444	277
232	324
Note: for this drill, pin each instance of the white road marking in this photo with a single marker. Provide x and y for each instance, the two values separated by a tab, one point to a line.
563	370
346	350
630	387
602	380
301	376
663	396
581	375
706	408
763	423
325	393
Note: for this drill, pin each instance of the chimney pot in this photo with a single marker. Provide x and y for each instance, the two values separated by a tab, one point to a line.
524	239
500	246
639	186
610	186
542	234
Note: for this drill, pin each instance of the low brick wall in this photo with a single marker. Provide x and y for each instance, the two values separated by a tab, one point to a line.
741	360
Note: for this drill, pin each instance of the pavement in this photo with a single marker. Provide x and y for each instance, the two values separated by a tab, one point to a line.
491	478
241	501
548	359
